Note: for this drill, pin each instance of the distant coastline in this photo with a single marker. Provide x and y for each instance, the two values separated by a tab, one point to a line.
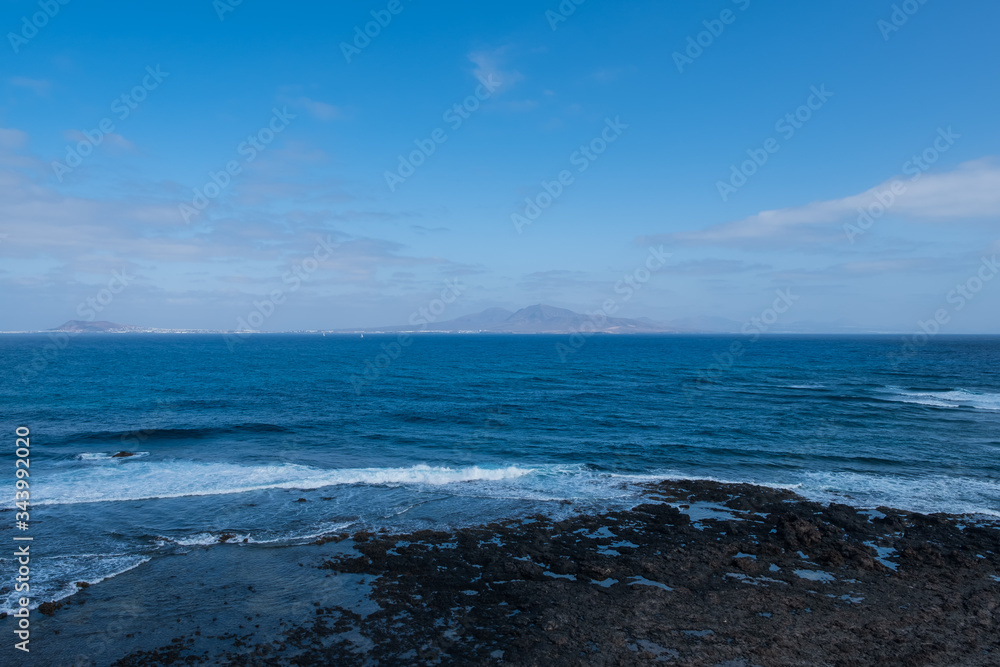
531	320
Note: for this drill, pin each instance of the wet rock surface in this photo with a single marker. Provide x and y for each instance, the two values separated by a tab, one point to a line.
702	574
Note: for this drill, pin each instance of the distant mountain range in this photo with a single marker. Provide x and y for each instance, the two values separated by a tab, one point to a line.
81	326
537	319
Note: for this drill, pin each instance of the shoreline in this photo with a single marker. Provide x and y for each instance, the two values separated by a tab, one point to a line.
701	574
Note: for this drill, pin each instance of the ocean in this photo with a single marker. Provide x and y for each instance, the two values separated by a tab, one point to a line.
276	440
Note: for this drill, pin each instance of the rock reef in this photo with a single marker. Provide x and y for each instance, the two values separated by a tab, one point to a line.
704	574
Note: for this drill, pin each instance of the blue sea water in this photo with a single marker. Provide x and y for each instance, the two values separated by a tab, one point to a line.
272	443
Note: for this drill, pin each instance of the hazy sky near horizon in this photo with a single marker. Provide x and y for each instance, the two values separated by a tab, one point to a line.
215	155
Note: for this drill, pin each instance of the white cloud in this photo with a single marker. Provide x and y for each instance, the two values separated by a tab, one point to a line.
520	106
39	86
12	143
490	66
970	192
11	138
118	141
320	110
50	240
110	140
608	74
295	95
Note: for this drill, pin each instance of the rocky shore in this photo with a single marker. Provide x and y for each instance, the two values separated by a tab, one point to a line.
702	574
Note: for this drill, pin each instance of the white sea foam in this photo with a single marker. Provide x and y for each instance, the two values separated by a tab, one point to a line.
148	479
55	577
208	539
681	477
103	456
958	398
927	494
321	530
205	539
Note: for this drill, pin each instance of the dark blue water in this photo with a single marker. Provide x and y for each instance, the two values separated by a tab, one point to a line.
272	442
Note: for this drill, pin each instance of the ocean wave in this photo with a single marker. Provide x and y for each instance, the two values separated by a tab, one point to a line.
206	539
957	398
927	494
170	433
55	577
146	480
233	537
680	477
104	456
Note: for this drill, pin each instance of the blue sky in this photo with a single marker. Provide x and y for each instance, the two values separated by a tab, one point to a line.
200	78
